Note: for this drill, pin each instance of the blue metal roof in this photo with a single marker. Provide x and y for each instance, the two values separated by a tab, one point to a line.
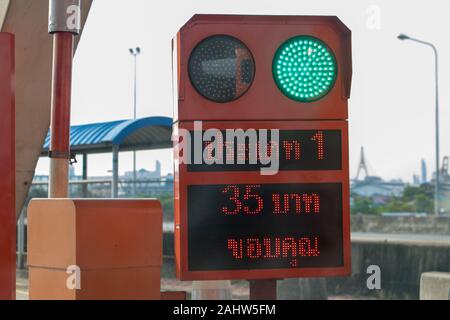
140	134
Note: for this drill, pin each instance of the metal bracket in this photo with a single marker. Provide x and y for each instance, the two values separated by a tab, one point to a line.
64	16
63	155
59	155
73	158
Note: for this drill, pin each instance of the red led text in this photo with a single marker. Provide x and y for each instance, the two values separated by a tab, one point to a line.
248	200
273	248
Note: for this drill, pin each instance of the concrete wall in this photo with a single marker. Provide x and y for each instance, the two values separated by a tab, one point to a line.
4	5
435	286
402	263
381	224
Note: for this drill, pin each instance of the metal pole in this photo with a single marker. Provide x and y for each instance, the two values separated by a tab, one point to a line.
115	172
64	23
21	239
60	119
84	187
436	199
263	289
437	178
437	182
134	117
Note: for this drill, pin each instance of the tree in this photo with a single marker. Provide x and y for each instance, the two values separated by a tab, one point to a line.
363	205
413	199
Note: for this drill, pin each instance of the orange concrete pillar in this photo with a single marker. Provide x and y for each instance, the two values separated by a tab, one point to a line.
83	249
7	169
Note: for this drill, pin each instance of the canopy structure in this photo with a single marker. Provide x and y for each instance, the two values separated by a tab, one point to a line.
140	134
123	135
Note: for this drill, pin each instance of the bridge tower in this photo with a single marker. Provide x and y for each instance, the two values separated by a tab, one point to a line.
362	165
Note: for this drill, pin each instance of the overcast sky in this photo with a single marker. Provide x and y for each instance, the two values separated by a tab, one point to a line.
392	101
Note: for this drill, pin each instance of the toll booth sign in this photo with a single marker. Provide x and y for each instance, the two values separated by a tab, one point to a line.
265	226
261	159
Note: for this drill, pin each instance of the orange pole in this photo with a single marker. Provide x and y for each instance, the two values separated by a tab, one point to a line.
7	170
64	24
60	119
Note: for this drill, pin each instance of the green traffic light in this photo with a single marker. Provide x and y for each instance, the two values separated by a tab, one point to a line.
304	68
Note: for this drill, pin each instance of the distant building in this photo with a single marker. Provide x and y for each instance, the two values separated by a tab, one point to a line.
377	187
424	178
40	178
144	174
72	175
168	177
149	183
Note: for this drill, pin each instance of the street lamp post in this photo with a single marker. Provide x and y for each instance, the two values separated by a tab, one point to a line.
437	183
135	52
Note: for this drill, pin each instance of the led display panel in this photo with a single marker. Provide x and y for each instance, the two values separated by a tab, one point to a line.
265	226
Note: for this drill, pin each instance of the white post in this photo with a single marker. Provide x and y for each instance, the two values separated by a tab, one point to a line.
211	290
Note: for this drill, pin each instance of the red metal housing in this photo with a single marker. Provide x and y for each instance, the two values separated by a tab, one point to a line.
7	169
263	35
183	179
262	106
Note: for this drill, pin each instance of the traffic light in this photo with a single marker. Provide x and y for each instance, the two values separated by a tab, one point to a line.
261	148
238	56
304	68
